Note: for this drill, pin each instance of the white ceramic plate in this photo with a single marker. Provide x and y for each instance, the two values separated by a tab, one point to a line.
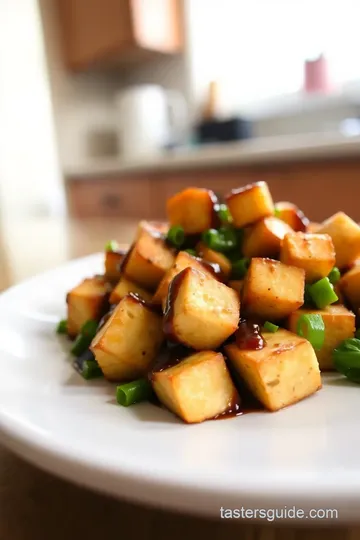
306	455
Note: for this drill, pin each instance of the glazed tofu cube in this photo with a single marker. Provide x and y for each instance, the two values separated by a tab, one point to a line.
265	237
314	253
345	234
272	290
125	287
350	286
339	325
155	228
250	203
113	260
313	227
86	301
148	260
129	341
284	372
200	311
292	215
215	257
183	260
193	209
237	285
198	388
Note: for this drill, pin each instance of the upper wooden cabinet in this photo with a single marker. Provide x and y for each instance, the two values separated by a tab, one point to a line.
99	32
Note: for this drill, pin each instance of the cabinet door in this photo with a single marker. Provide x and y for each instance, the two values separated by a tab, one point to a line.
94	29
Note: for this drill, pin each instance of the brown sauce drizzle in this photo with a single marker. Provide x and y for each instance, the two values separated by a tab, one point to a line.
139	300
173	291
170	355
248	336
123	263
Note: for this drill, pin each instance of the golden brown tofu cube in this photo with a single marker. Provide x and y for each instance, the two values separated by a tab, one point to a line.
292	215
86	302
237	285
182	261
314	253
125	287
113	260
272	290
250	203
129	341
156	228
198	388
200	311
148	261
350	286
193	209
265	237
215	257
313	227
339	325
345	234
284	372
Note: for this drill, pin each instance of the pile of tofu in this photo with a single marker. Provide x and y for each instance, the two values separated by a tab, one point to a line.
165	295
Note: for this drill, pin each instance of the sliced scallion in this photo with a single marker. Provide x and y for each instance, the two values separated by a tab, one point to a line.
312	327
322	292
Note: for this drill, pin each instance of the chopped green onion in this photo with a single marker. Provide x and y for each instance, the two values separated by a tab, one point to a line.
191	252
176	236
334	275
85	337
322	292
111	245
270	327
346	359
222	240
224	214
314	327
239	268
87	366
276	212
133	392
62	327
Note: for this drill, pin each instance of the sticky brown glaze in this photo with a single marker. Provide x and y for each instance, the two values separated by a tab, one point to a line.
139	300
175	284
123	263
248	336
170	355
211	267
238	191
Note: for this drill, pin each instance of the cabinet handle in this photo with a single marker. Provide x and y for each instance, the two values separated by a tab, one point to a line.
111	201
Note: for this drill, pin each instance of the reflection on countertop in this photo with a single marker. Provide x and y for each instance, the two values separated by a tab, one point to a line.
252	151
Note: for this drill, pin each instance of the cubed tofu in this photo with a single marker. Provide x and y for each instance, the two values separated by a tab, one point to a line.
129	341
87	301
313	227
200	311
215	257
272	290
183	260
345	234
292	215
284	372
314	253
113	260
250	203
339	325
198	388
124	287
193	209
156	228
148	260
349	285
237	285
265	237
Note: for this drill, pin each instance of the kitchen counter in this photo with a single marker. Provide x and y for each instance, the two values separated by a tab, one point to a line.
253	151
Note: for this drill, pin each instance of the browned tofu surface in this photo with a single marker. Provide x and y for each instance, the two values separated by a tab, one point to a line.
198	388
113	260
250	203
265	237
124	287
155	228
201	312
183	260
128	343
193	209
349	285
292	215
215	257
85	302
148	261
284	372
339	325
272	290
345	234
314	253
237	285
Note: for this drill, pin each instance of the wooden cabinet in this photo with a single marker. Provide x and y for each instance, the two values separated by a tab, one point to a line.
98	32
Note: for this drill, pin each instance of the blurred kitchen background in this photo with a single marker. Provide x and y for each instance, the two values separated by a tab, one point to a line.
107	107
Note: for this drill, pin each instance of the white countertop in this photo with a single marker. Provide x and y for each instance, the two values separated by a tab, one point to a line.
252	151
